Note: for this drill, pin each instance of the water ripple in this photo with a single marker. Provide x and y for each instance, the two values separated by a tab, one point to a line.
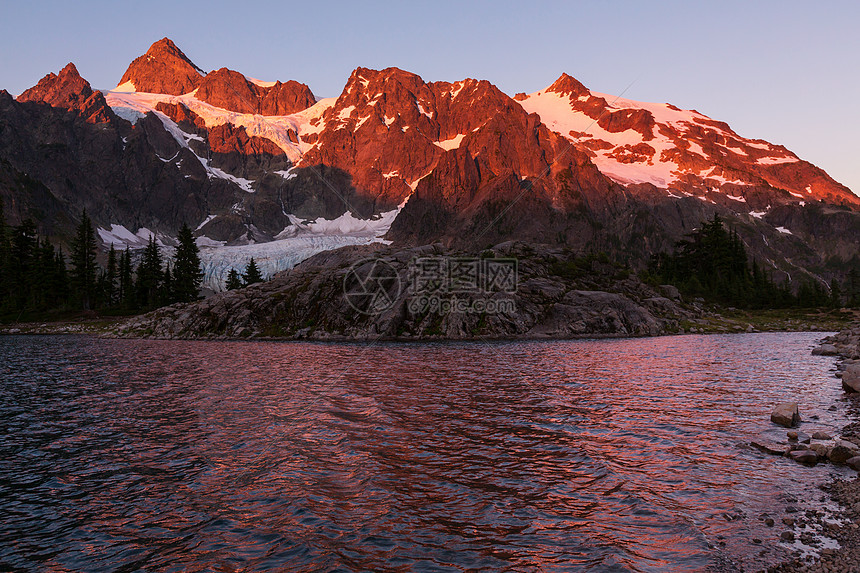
620	455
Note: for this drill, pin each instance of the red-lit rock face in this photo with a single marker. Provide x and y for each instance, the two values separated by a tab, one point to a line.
163	69
70	91
389	129
231	90
679	151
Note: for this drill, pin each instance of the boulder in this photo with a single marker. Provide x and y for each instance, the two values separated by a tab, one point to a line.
670	291
772	448
786	415
853	463
821	449
795	436
825	350
851	379
806	457
841	454
821	436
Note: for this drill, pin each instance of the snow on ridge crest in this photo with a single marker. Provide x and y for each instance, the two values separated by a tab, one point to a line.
627	156
133	105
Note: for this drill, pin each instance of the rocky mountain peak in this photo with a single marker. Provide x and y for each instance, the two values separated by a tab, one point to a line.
68	90
228	89
231	90
65	89
568	85
165	69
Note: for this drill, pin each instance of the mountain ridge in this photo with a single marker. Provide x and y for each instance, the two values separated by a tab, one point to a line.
462	162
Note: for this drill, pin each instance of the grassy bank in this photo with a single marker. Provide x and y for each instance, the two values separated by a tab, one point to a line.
722	320
714	320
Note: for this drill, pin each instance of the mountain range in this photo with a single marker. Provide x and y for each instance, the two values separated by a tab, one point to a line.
269	168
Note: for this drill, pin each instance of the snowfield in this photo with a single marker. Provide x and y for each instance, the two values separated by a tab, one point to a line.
557	112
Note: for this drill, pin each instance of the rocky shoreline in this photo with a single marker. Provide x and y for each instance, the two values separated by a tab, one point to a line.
381	293
844	527
369	293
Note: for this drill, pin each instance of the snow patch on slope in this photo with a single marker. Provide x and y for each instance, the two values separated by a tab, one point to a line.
557	113
449	144
134	105
777	160
119	236
261	83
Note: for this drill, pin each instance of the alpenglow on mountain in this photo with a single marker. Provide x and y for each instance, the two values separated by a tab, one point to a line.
267	169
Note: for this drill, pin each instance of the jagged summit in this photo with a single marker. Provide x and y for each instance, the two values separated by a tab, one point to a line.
233	91
164	68
568	85
682	152
68	90
252	161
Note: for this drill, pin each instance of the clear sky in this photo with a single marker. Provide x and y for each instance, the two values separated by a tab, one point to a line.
784	71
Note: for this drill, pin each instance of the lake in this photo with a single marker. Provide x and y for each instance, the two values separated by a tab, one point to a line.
604	455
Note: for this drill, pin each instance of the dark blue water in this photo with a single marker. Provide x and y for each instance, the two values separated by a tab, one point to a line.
589	455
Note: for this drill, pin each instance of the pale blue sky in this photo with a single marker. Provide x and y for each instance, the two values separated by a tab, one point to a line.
783	71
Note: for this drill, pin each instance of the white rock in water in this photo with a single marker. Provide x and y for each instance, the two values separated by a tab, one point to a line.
786	415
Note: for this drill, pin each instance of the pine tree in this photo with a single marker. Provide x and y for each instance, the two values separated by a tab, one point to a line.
61	278
149	275
854	287
43	277
835	294
712	262
252	273
4	257
21	261
167	289
234	281
111	278
126	285
83	275
187	274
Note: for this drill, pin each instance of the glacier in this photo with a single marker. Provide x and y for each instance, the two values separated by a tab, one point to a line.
297	242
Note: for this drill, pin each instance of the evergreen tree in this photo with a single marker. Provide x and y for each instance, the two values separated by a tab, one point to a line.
43	277
126	286
252	273
187	274
167	289
83	275
854	287
21	262
234	281
4	257
712	262
61	279
111	278
835	294
149	275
